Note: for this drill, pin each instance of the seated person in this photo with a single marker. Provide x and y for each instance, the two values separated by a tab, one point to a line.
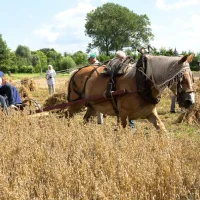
3	104
16	96
9	91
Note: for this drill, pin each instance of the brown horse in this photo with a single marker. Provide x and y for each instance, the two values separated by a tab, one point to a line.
161	72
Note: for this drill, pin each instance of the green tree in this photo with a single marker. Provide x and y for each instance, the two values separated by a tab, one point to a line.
53	57
4	55
80	58
39	61
113	27
166	52
67	62
23	54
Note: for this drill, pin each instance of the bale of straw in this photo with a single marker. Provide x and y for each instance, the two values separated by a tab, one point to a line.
192	116
55	99
29	84
24	92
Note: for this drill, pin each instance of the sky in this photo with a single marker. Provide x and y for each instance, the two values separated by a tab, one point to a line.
60	24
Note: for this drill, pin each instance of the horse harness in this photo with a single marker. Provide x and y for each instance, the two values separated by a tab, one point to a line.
72	81
143	87
114	68
180	91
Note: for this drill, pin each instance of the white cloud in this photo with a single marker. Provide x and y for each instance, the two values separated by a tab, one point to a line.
161	4
160	28
190	26
67	29
183	34
73	18
103	1
47	33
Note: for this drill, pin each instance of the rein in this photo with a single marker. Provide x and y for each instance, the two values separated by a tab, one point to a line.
179	89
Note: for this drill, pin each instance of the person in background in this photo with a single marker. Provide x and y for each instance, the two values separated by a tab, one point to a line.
173	105
122	55
50	74
6	91
4	99
93	61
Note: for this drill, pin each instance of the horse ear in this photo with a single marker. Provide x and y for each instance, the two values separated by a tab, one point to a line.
189	58
183	59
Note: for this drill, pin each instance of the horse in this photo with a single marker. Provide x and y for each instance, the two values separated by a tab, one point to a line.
161	72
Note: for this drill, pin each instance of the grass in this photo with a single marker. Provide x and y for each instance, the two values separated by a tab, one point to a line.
34	75
49	158
53	158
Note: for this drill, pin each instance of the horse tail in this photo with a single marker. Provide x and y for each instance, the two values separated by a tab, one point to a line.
71	75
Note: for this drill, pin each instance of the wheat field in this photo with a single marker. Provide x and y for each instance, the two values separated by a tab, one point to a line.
50	158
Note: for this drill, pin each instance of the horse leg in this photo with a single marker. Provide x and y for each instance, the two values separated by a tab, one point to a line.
123	121
90	112
71	110
155	120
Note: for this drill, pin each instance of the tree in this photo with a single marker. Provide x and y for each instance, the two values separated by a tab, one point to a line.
113	27
53	58
4	54
80	58
24	55
67	62
39	61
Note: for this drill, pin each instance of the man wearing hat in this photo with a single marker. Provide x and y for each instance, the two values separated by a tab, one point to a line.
93	61
6	90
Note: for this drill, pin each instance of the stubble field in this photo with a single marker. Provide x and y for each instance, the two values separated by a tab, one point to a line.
48	157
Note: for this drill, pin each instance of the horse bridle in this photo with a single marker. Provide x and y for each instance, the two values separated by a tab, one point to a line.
181	80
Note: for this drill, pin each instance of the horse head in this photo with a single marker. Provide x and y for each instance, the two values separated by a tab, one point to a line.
185	92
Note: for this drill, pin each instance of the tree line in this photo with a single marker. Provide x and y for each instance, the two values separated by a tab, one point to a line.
112	27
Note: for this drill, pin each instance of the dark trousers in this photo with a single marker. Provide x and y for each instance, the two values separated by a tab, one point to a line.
7	90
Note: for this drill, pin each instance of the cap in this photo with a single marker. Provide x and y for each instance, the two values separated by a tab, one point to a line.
1	73
91	55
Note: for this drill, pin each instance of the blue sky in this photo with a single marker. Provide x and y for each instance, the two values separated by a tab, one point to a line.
60	24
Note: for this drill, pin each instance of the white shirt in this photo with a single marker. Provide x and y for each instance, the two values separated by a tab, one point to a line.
50	74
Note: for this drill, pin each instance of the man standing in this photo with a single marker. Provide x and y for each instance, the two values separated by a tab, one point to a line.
93	61
122	55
